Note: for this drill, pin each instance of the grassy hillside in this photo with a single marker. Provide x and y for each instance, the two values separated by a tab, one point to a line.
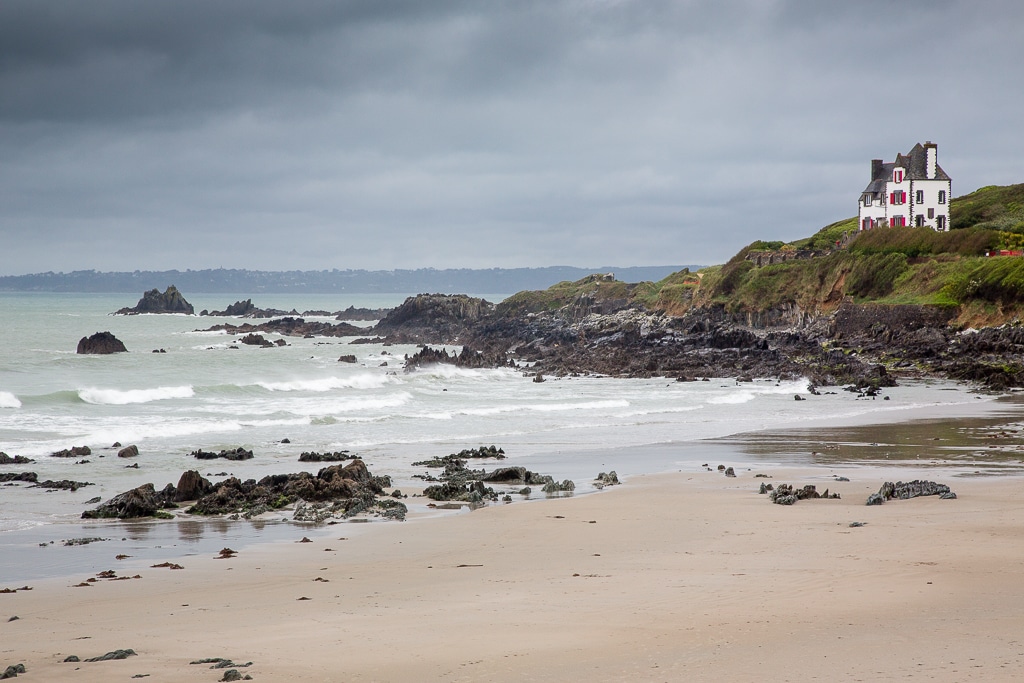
885	265
993	207
891	265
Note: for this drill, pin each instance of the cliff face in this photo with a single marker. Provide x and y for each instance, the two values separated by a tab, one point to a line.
433	318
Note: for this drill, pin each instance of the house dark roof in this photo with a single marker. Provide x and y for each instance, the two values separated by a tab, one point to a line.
915	162
877	183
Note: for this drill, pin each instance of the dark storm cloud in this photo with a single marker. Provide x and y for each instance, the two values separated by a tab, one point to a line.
406	134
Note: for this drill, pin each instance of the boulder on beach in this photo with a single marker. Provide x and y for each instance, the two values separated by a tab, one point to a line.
911	489
143	501
153	301
101	343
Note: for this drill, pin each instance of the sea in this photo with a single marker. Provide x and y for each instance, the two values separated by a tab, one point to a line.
180	388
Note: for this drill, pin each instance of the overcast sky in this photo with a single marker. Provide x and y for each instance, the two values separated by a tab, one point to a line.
441	133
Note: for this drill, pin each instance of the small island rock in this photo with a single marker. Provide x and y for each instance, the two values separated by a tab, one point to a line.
101	343
171	301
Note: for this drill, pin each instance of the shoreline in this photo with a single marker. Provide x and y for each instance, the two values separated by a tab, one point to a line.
662	578
36	553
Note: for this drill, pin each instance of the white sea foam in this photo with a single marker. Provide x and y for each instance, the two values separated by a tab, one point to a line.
9	400
660	410
445	371
338	408
363	381
173	429
731	399
586	405
122	397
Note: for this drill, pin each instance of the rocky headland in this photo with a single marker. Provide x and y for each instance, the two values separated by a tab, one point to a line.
880	306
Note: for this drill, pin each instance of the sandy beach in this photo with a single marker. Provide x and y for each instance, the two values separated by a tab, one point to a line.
681	576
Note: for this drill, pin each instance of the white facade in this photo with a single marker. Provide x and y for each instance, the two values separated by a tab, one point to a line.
911	191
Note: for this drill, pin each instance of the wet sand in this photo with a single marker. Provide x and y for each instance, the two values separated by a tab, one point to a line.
682	576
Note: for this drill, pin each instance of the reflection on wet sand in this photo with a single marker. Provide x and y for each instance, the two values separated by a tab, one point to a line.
993	443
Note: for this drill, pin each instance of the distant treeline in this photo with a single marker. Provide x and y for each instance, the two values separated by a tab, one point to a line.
451	281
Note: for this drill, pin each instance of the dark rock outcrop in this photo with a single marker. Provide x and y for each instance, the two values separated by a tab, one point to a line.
787	494
153	301
191	486
246	309
73	452
336	456
433	318
467	358
231	454
12	671
128	451
116	654
143	501
350	487
292	327
14	460
101	343
61	485
339	490
460	483
362	314
907	490
29	477
253	339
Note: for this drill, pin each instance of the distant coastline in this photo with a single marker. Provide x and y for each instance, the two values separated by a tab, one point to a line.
446	281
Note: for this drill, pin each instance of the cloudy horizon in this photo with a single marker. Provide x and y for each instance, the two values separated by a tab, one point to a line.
451	134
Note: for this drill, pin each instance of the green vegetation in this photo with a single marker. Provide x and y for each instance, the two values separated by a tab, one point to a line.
890	265
914	242
592	287
992	208
827	237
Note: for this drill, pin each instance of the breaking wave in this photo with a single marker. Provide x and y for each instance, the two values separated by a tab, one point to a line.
122	397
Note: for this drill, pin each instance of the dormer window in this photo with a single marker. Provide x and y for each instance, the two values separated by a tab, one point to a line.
897	175
867	200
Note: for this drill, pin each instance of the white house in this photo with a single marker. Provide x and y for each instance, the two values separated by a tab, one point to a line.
913	190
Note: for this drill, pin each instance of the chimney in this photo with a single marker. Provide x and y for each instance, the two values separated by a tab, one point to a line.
876	168
932	153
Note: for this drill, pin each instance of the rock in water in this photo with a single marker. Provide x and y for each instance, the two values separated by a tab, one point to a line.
128	451
100	343
171	301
